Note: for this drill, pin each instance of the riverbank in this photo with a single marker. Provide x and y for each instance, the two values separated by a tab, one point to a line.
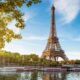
49	69
39	68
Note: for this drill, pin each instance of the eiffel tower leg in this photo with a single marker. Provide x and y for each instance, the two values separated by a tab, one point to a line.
50	58
56	58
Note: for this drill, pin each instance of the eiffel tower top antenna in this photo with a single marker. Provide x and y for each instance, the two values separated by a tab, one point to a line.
53	29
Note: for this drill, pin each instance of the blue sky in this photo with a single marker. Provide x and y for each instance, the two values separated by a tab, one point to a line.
36	32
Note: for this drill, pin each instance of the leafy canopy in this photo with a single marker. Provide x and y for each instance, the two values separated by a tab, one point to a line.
9	11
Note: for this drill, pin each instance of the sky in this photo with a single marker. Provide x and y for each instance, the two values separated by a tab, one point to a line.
37	28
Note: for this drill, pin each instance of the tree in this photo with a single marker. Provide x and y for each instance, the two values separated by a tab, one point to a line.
33	59
77	61
9	11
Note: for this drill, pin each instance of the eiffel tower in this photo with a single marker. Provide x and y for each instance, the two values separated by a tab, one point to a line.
53	49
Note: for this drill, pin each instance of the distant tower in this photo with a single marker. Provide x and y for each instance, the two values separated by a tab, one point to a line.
53	49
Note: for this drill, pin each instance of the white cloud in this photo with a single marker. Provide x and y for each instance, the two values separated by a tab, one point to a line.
39	38
73	54
70	38
13	47
77	39
68	9
27	16
11	25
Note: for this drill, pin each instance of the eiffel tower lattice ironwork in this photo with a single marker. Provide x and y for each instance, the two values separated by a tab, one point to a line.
53	49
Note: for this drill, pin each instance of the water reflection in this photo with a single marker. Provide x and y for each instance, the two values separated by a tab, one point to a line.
8	76
24	76
40	76
54	76
34	76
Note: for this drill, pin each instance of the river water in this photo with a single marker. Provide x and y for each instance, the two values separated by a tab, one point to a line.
39	75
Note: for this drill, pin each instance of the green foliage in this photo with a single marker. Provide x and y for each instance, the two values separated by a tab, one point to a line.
9	58
30	2
77	61
9	11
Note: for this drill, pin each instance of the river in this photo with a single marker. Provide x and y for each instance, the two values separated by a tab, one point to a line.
39	75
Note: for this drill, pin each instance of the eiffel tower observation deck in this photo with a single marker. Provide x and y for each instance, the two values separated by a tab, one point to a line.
53	49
